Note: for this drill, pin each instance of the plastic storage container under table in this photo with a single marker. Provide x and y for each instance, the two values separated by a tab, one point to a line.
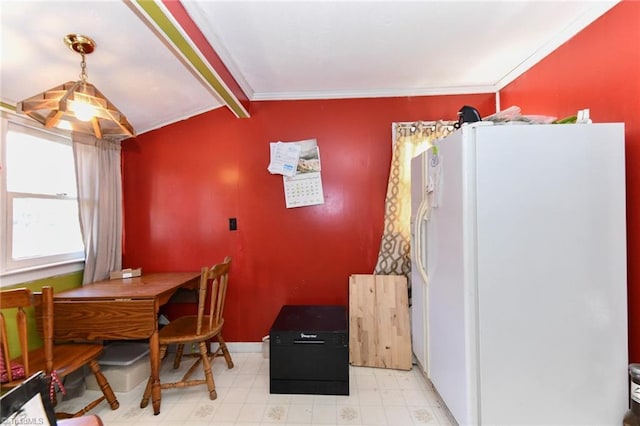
124	364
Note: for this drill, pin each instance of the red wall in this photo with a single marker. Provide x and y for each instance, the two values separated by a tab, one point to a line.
598	69
183	182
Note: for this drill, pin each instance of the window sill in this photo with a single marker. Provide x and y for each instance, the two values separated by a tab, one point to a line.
10	278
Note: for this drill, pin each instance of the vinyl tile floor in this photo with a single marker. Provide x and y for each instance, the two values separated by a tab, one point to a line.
376	397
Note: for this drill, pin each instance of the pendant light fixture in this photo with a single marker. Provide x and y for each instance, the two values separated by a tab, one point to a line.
78	105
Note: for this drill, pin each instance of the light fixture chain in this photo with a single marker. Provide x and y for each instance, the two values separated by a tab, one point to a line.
83	67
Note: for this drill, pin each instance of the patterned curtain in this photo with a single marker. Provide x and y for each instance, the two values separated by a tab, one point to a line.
410	139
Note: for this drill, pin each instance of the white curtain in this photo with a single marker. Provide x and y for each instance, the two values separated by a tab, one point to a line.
99	182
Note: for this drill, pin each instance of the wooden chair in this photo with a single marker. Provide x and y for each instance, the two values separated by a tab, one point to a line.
199	329
57	360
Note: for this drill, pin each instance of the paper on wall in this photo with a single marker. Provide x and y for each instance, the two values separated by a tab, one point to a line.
284	158
299	163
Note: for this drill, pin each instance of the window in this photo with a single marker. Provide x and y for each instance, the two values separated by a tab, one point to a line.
41	224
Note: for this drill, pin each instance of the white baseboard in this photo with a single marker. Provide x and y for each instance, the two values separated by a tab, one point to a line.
247	347
237	347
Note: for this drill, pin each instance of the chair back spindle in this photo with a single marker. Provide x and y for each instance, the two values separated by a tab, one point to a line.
212	293
18	299
44	304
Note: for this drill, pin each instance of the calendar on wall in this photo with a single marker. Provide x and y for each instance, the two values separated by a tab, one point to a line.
303	189
299	164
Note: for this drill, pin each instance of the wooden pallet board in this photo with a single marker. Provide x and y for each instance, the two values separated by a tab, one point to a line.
379	327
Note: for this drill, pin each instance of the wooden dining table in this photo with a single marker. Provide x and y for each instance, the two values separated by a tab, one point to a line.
121	309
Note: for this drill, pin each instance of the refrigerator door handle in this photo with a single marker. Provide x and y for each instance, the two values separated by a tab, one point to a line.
421	217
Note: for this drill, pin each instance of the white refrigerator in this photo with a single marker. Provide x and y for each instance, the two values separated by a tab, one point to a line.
519	300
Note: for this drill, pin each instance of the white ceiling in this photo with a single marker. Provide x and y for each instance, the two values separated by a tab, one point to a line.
284	49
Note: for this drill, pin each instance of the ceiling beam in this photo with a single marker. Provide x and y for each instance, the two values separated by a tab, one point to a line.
171	22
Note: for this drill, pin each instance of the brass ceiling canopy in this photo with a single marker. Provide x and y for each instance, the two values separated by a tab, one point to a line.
78	106
80	44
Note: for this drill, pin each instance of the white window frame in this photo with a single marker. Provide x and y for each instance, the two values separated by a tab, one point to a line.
12	271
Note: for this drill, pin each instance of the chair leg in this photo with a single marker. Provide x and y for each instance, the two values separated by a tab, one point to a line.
225	351
207	370
193	367
84	410
107	393
104	385
147	394
179	351
147	390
